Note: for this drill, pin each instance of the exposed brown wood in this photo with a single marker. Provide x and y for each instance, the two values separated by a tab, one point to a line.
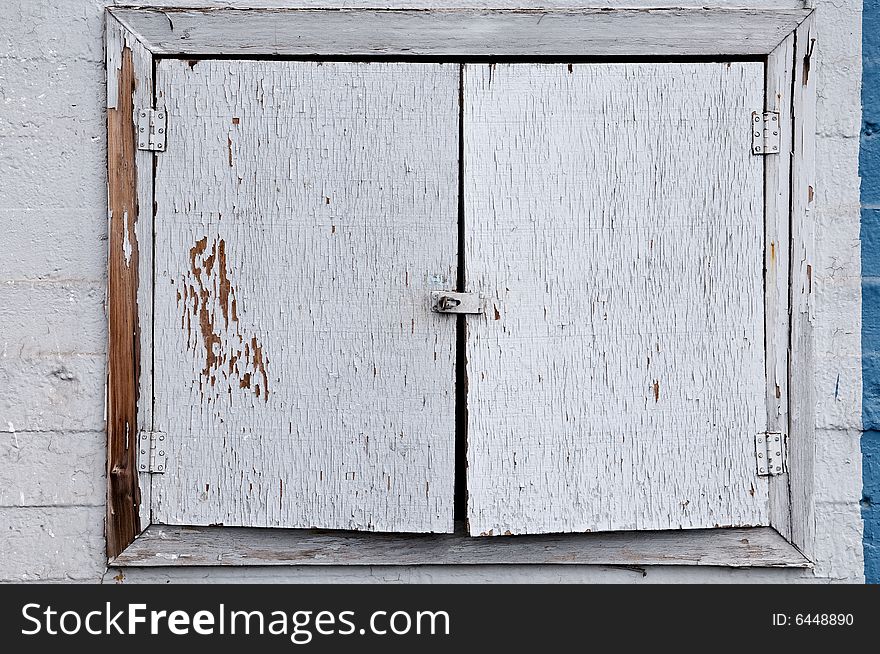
230	546
123	372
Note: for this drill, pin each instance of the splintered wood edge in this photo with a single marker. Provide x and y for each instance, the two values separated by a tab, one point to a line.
162	546
802	400
777	199
461	32
129	83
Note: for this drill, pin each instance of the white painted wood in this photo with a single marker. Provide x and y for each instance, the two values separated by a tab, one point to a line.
802	417
304	213
140	232
462	4
206	546
777	178
615	224
463	32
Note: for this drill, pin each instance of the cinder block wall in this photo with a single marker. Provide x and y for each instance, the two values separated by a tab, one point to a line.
53	229
870	171
52	287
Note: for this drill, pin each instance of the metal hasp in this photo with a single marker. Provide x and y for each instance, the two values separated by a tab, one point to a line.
450	302
765	132
770	454
152	128
152	452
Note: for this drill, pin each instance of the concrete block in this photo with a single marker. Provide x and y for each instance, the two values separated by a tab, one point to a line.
838	68
52	469
870	233
39	319
52	29
64	97
838	552
52	394
837	179
837	473
838	391
46	544
71	248
49	174
870	504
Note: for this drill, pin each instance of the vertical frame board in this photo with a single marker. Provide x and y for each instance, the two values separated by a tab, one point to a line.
129	197
777	176
802	403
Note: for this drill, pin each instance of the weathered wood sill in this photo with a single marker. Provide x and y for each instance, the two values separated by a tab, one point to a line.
162	546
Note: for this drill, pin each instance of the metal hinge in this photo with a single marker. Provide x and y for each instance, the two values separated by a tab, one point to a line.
152	126
152	452
771	454
451	302
765	132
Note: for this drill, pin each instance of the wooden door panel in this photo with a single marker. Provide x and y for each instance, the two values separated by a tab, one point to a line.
304	211
615	222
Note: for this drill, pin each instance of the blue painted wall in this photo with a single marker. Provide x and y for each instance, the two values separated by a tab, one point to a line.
869	167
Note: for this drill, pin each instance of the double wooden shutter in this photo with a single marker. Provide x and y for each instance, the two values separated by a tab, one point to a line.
613	222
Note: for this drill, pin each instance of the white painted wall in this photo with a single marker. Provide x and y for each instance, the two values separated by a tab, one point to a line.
53	327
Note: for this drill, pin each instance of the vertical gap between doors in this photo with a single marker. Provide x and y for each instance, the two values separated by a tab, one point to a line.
461	415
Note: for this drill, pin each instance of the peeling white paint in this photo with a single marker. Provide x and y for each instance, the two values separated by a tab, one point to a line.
614	220
126	240
299	372
114	44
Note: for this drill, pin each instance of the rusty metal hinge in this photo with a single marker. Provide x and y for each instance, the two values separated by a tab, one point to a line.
765	132
771	453
152	452
152	128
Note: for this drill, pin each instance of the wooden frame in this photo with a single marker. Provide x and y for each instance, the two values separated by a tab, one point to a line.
782	38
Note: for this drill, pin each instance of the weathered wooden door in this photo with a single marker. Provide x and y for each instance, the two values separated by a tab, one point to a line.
304	211
614	220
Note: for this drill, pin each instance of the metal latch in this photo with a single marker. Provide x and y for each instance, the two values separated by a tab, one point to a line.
152	452
765	132
451	302
770	453
152	126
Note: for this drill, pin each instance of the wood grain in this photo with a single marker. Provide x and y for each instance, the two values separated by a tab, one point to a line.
463	32
777	267
802	416
126	65
162	546
304	213
615	221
